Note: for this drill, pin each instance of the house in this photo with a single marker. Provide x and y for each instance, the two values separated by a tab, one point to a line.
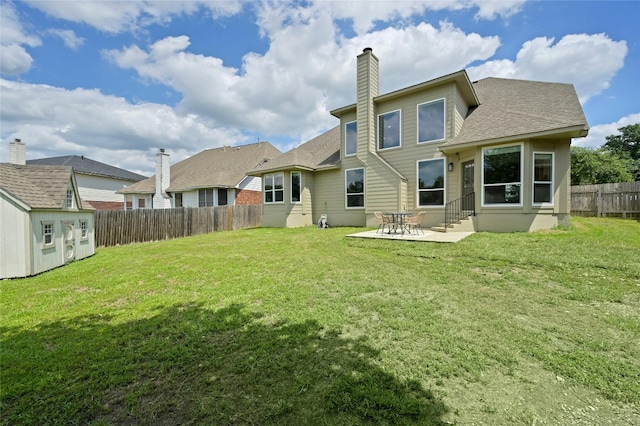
214	177
44	222
97	182
496	151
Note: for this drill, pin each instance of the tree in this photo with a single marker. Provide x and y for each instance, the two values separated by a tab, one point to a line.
598	165
627	145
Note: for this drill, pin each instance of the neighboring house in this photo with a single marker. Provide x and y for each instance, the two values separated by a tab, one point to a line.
497	150
43	221
214	177
97	182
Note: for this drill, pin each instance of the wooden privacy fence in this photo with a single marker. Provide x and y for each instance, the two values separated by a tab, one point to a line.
119	227
609	199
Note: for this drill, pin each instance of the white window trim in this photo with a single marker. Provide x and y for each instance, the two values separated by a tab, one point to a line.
273	191
291	187
533	181
399	111
69	199
346	154
444	188
444	123
482	185
84	232
52	244
364	180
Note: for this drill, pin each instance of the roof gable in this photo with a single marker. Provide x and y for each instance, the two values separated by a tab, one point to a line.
38	187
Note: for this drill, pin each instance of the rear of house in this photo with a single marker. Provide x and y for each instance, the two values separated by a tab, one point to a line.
495	150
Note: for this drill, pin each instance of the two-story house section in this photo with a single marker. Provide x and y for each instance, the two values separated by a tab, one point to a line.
496	150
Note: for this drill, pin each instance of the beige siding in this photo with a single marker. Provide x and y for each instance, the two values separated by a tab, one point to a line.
460	111
329	198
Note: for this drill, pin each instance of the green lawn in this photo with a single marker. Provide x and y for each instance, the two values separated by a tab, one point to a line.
309	327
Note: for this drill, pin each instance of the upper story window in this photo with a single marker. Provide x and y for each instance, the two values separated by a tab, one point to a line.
69	199
431	183
354	188
205	197
431	121
542	178
350	138
274	188
296	186
389	130
502	175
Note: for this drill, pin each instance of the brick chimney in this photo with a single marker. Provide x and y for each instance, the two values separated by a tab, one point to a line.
17	152
367	89
161	199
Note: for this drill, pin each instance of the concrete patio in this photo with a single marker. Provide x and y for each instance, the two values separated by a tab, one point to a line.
428	236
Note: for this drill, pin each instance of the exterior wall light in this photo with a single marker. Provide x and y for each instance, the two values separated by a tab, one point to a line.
450	167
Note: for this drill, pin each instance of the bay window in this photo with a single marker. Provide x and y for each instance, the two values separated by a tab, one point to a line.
274	188
296	181
542	178
502	175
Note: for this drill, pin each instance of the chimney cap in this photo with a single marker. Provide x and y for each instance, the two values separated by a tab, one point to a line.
17	140
367	49
162	150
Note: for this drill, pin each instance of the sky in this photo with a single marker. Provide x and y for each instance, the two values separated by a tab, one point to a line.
116	81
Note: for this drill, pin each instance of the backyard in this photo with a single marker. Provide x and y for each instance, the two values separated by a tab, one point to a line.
305	326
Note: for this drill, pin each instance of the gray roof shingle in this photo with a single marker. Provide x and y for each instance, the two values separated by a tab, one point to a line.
521	108
222	167
321	152
82	164
39	187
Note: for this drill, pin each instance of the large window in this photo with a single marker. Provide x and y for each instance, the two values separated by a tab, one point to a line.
274	188
205	197
47	234
431	183
296	186
354	188
502	175
431	119
389	130
350	138
543	178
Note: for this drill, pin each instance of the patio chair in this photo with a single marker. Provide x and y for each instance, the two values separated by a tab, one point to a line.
415	222
382	222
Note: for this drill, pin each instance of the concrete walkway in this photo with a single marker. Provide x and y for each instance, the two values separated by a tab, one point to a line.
429	236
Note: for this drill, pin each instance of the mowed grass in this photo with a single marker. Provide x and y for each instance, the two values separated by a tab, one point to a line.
309	327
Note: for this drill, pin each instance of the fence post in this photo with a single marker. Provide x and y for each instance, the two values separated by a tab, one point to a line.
599	214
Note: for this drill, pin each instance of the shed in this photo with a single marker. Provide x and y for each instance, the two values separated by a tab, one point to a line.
43	222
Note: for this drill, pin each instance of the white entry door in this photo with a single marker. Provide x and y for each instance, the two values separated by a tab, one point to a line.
69	241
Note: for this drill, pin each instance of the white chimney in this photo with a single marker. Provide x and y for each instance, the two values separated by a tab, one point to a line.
17	152
161	199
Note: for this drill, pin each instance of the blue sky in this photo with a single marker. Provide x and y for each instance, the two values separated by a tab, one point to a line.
116	81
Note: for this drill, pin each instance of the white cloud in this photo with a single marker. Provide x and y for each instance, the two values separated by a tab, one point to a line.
587	61
597	134
103	128
70	39
14	59
131	15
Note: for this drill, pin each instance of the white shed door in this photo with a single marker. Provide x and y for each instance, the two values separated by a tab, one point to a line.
69	241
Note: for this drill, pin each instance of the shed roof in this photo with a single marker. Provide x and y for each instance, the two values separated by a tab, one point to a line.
520	108
82	164
222	167
38	187
321	152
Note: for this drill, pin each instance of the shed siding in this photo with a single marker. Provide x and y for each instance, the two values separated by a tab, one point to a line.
15	256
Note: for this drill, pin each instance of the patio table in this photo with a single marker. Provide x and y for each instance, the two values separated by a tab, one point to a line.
398	219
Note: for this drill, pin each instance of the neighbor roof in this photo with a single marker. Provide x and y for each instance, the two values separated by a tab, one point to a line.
38	187
82	164
222	167
321	152
519	108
